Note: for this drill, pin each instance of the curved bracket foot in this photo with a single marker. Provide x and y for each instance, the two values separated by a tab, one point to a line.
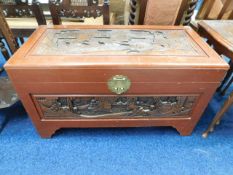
47	132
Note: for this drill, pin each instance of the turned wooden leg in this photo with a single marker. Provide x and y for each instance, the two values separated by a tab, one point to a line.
219	115
46	132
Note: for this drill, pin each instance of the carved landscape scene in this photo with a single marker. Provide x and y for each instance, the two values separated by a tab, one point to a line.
118	42
103	107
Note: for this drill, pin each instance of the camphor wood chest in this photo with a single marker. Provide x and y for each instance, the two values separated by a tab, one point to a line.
115	76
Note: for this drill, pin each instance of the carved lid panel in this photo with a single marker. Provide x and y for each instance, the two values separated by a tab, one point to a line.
117	42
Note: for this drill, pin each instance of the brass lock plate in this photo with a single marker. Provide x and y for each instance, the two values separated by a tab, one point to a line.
119	84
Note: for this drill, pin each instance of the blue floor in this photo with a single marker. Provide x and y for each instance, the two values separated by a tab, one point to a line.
122	151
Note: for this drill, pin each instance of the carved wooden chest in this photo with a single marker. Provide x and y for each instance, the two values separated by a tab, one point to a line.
115	76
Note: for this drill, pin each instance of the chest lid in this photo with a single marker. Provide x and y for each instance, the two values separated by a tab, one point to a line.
112	46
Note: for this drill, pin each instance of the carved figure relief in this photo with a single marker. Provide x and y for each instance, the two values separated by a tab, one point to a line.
118	42
123	107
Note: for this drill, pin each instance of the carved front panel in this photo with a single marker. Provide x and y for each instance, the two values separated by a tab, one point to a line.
122	107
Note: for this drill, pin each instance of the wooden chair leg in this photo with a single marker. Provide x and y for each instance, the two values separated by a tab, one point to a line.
4	51
187	19
228	75
227	86
106	12
21	40
219	115
132	14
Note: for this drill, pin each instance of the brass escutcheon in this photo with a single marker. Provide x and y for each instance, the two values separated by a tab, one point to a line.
119	84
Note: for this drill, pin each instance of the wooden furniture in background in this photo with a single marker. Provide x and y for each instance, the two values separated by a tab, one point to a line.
80	2
162	12
227	104
219	34
216	9
8	95
189	12
8	36
14	11
7	2
132	12
115	76
59	10
143	4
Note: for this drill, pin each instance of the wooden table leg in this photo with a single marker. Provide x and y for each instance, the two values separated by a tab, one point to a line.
219	115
